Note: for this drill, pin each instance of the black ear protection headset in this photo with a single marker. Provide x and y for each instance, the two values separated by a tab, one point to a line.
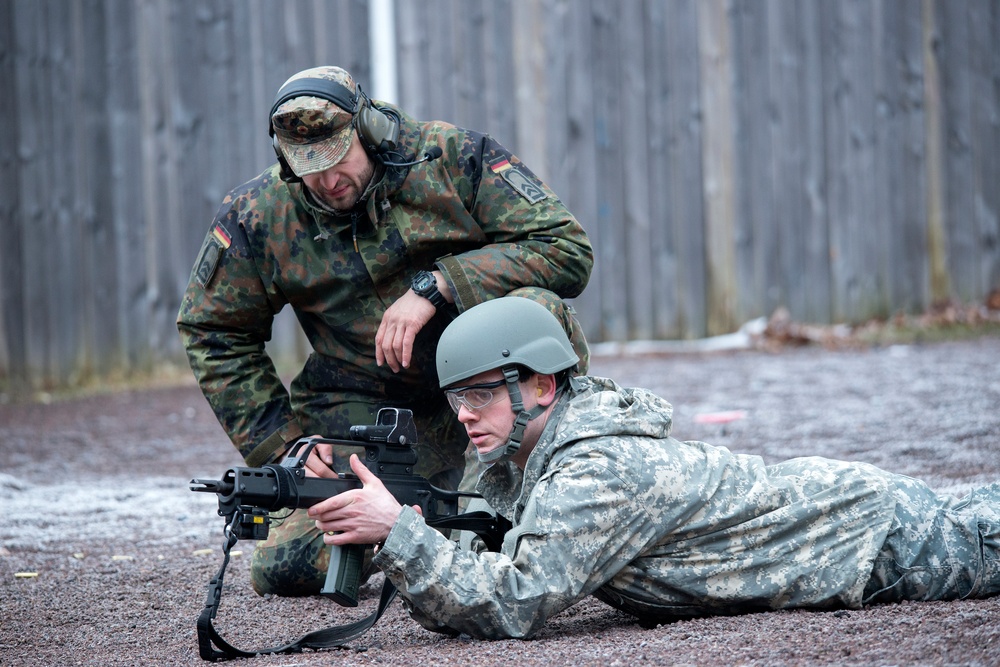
377	128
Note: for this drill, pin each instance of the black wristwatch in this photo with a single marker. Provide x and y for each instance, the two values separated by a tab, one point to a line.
425	284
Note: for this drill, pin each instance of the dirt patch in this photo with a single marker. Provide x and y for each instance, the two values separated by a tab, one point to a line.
96	507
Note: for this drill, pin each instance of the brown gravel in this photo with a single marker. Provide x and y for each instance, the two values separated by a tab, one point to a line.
96	505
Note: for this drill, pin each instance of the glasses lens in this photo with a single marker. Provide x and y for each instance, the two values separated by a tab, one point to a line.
475	397
478	398
454	401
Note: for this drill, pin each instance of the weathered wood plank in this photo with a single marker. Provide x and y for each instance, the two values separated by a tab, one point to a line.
158	80
608	110
663	277
900	171
963	238
984	72
495	88
857	275
13	342
129	242
530	95
683	267
756	237
98	336
797	167
572	125
32	97
440	23
468	67
719	155
637	265
937	250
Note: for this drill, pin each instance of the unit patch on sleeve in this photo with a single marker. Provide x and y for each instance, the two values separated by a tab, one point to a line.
216	243
526	187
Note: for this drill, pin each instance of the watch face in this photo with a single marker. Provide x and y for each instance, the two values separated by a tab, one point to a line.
423	281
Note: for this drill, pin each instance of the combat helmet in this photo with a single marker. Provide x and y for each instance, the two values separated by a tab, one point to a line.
505	333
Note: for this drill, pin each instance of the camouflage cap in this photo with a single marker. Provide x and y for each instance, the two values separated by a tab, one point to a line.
314	133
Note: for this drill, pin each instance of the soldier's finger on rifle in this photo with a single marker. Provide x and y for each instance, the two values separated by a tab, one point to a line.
320	461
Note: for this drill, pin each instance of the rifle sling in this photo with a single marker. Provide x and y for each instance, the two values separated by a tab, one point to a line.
482	523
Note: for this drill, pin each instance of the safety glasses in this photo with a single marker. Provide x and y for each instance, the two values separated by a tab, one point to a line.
474	396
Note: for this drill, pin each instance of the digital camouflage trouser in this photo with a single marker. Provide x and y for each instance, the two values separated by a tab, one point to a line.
293	559
938	548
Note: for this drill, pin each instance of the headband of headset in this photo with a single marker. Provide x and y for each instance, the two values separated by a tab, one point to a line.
324	89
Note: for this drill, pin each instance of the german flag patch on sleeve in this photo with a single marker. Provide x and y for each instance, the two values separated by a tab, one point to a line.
526	187
215	245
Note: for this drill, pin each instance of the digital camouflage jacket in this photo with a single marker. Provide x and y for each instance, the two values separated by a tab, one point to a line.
609	504
476	213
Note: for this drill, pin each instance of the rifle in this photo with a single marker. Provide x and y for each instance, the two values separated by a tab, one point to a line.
247	496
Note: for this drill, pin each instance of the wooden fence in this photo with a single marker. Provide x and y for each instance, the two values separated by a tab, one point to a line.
727	157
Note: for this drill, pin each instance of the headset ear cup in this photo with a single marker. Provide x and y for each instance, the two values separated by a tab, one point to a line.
378	132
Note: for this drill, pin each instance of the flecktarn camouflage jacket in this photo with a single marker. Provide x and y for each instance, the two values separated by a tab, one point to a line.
476	213
609	504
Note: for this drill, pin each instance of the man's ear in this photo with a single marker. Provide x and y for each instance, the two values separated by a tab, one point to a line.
545	387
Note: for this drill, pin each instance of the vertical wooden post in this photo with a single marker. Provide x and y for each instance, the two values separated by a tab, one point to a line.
13	335
719	159
937	251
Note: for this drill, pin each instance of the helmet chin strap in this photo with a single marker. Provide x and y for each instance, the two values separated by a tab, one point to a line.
520	422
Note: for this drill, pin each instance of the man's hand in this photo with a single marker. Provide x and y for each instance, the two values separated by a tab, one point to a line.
402	322
400	325
358	516
319	461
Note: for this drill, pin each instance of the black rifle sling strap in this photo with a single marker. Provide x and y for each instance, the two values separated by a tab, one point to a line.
487	526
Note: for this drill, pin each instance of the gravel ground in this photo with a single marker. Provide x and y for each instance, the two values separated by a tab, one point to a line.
105	553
